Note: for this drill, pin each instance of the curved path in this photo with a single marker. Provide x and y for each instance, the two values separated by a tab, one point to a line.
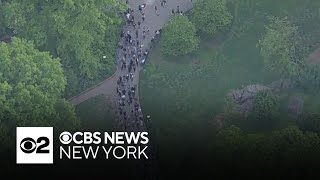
153	22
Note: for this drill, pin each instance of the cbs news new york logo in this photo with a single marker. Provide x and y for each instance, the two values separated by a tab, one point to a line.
34	145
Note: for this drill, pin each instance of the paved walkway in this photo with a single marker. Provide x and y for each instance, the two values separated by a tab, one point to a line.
153	22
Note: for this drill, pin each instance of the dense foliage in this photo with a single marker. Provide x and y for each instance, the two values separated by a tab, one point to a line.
286	149
183	97
309	80
310	122
31	85
179	37
266	109
31	81
80	33
278	46
210	16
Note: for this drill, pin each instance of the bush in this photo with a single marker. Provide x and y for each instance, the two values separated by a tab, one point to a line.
211	16
179	37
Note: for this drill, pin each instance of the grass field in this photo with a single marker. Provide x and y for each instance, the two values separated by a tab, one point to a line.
184	94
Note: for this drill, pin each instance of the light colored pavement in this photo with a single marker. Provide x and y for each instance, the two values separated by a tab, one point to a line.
153	22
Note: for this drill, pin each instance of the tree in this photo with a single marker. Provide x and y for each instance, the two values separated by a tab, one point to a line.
291	146
278	47
265	110
30	82
309	79
2	26
259	151
31	85
3	136
230	140
310	122
210	16
284	151
79	32
65	116
179	37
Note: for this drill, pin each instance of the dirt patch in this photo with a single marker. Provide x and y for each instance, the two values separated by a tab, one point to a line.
196	61
314	58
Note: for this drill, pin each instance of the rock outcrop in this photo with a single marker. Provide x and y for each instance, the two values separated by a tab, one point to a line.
243	98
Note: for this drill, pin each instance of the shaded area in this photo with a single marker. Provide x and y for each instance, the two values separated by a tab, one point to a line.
96	114
183	95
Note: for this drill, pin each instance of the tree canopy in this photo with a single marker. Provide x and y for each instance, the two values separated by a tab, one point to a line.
31	81
278	46
31	84
210	16
179	37
79	32
310	122
266	108
285	148
309	79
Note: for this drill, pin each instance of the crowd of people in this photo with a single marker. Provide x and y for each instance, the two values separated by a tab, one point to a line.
133	49
132	54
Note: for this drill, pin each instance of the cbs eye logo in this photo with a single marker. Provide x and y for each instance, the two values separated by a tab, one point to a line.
29	145
34	145
65	137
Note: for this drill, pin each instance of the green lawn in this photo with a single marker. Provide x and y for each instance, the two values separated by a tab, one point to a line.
96	114
184	94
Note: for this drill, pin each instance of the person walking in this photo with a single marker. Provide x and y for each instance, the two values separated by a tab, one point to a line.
144	33
147	30
143	17
139	23
140	8
156	10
